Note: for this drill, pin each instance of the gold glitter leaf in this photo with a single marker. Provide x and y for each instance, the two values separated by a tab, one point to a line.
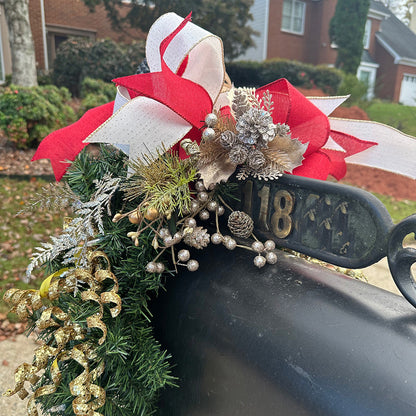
217	170
284	153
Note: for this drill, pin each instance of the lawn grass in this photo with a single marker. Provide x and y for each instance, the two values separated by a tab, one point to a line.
399	116
20	235
398	210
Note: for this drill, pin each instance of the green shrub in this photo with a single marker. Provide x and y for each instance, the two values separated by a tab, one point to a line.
77	59
401	117
245	73
44	77
28	114
256	74
95	92
328	79
352	86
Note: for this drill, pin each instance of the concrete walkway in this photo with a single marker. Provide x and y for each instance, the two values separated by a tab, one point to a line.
379	275
13	352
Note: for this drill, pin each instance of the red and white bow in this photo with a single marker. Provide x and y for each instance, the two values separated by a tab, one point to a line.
184	84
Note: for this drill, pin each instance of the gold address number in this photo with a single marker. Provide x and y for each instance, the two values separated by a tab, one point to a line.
281	220
283	204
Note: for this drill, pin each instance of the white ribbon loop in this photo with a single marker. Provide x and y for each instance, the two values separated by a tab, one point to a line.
144	125
204	50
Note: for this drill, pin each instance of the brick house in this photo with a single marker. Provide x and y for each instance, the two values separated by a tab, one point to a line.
52	22
298	30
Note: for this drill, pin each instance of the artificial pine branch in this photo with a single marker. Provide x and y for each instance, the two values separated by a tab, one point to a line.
81	232
136	367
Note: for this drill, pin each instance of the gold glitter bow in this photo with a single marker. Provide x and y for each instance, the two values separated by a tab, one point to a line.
26	302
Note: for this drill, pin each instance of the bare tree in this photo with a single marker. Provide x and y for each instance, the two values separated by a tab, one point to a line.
401	8
21	42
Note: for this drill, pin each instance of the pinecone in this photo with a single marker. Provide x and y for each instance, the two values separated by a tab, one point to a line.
282	129
256	159
238	154
199	238
240	103
256	127
240	224
228	139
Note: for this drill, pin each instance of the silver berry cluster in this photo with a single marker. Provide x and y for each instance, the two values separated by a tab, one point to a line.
188	231
265	253
210	121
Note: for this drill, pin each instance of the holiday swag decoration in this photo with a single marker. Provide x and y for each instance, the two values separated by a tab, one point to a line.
157	194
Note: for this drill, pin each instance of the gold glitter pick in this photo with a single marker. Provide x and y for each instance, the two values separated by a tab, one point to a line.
25	372
42	391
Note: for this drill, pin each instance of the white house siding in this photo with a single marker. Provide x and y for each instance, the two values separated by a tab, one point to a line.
260	23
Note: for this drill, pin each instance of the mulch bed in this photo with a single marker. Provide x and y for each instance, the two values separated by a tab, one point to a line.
10	329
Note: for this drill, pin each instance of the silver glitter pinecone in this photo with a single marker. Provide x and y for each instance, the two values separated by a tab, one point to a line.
199	238
240	224
228	139
240	103
238	154
256	127
256	159
282	129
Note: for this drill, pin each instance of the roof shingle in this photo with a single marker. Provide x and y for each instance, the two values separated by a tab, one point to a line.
395	33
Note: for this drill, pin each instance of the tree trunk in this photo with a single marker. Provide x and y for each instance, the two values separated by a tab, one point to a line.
21	43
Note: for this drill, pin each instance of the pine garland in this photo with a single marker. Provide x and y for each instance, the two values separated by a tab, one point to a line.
136	367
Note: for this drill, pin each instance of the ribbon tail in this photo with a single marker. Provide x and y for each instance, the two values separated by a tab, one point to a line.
395	151
65	144
338	167
351	144
328	104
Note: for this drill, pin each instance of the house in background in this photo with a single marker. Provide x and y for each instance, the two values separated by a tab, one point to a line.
298	30
54	21
5	58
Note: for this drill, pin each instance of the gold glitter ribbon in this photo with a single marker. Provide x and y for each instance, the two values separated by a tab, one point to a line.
82	386
23	301
26	302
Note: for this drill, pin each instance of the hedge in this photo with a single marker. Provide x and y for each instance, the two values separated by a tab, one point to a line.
105	59
95	92
256	74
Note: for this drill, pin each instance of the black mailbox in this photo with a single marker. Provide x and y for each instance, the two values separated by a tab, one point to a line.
290	339
294	338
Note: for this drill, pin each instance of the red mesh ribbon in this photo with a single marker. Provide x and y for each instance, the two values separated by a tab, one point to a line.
64	145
